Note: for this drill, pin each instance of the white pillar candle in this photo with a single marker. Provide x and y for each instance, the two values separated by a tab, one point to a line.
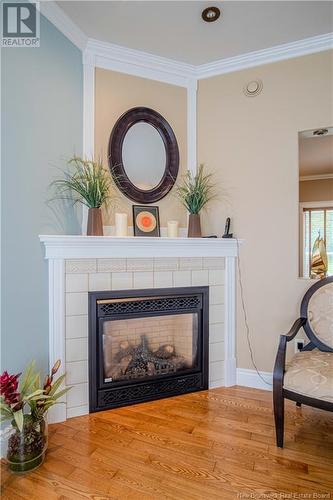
173	228
121	224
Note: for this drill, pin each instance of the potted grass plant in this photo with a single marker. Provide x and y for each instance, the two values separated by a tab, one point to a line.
194	192
25	404
89	183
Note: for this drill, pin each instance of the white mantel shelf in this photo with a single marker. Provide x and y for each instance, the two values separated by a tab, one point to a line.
85	247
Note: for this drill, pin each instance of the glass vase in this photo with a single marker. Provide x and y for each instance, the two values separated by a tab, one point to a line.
26	449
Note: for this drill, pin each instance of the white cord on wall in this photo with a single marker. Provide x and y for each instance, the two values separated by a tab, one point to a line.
247	328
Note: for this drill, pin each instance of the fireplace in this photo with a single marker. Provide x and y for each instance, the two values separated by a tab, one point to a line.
146	344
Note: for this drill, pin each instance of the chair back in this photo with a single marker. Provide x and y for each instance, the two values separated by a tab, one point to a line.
317	308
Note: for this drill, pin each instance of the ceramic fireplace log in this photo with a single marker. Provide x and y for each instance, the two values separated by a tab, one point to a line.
139	361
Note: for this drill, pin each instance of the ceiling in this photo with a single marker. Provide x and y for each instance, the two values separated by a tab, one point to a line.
174	29
316	155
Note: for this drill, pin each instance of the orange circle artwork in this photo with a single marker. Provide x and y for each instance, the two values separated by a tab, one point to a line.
146	222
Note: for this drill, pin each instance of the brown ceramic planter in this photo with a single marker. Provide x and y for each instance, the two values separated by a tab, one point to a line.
95	224
194	226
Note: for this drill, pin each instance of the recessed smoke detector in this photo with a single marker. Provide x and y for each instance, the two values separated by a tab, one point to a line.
253	88
211	14
320	131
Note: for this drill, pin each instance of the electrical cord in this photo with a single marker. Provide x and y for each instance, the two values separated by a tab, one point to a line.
247	328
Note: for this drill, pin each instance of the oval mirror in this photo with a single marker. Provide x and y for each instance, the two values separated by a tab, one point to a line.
143	155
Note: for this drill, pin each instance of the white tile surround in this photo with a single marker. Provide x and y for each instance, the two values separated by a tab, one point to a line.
81	264
117	274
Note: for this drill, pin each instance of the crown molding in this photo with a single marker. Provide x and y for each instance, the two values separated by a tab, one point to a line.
135	62
266	56
140	63
319	177
63	23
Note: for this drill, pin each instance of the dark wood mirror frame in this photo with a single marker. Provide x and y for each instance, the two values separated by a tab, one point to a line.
118	172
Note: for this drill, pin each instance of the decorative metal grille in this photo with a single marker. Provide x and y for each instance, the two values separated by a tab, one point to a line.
149	304
140	392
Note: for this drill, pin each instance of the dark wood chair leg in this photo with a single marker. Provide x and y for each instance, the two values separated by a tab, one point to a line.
298	404
279	416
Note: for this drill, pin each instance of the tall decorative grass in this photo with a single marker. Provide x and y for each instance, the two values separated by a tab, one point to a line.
87	182
195	191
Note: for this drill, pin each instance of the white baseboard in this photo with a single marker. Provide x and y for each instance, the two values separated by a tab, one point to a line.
216	383
250	378
77	411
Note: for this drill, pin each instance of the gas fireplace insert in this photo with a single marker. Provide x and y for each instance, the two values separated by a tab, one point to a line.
147	344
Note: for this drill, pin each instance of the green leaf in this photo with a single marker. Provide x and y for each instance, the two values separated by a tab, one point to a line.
47	405
18	417
28	378
38	393
196	191
57	384
39	398
35	381
88	183
6	412
60	393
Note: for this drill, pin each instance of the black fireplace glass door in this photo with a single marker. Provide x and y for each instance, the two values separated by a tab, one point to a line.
153	346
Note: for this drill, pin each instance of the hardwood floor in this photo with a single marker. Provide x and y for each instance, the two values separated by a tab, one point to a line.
212	444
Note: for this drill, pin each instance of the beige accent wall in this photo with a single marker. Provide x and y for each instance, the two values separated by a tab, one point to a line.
320	190
252	145
115	93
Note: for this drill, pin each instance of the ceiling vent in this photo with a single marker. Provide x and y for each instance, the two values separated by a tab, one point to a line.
253	88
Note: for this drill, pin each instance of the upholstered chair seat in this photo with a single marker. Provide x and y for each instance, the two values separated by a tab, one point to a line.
310	373
308	377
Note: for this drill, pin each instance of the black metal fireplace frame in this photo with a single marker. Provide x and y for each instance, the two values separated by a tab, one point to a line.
158	387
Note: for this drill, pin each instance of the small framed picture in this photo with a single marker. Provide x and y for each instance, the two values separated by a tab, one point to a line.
146	221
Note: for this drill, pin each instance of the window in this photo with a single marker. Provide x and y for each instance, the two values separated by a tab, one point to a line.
316	220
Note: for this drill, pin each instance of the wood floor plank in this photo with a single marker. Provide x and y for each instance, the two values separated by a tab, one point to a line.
163	431
217	444
183	458
88	464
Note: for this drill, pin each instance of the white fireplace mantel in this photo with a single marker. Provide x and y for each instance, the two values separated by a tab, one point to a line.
59	248
88	247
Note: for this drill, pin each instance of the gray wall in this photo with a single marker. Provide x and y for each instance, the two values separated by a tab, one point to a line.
41	128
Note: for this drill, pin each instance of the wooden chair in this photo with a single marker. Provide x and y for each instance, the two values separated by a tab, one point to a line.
308	377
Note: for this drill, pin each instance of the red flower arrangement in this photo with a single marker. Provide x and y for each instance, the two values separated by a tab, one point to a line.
25	403
14	396
8	388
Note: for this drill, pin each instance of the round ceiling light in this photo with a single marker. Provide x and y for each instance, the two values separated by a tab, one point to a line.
211	14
